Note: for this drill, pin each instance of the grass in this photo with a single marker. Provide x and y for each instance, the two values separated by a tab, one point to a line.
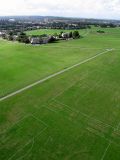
27	64
73	116
51	31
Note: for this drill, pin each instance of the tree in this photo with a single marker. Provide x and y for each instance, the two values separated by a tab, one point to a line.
23	38
26	40
55	34
11	33
70	35
10	37
104	25
112	25
60	35
51	39
76	35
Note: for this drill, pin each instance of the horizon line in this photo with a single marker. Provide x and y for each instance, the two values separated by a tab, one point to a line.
60	17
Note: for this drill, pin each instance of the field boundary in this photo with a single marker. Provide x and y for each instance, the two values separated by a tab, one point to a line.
53	75
84	114
104	154
32	140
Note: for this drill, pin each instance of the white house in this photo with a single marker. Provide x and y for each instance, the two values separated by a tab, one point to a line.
35	40
40	40
65	35
2	34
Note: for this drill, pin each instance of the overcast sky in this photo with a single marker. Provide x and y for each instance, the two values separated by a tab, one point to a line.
69	8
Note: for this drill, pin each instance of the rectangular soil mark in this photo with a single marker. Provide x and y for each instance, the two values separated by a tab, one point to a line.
20	135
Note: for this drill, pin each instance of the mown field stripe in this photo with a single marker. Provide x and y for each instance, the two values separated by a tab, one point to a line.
53	75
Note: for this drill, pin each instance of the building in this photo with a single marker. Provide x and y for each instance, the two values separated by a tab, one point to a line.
15	37
65	35
2	34
41	40
35	40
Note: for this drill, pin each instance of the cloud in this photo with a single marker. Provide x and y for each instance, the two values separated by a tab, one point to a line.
69	8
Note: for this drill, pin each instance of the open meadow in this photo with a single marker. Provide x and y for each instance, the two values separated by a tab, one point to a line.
73	115
51	31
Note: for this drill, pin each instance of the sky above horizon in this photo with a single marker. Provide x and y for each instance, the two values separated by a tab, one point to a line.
107	9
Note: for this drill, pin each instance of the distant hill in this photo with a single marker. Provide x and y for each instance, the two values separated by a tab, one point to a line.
58	19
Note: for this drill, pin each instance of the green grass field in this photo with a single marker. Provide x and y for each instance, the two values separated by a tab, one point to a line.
73	116
51	31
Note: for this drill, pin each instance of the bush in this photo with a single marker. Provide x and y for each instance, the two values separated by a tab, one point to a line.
101	31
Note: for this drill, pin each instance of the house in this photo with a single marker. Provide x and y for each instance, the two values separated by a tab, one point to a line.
2	34
46	39
15	37
65	35
35	40
41	40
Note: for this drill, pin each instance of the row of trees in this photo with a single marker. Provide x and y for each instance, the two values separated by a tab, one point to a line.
74	35
110	25
12	36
